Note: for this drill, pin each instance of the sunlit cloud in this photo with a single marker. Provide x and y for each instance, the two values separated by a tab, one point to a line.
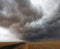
35	2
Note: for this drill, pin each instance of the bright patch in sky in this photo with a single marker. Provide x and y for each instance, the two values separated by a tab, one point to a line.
6	35
35	2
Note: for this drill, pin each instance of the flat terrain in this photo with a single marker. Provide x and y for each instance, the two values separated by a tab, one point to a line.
34	45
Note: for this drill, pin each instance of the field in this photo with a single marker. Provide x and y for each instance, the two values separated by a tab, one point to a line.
32	45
